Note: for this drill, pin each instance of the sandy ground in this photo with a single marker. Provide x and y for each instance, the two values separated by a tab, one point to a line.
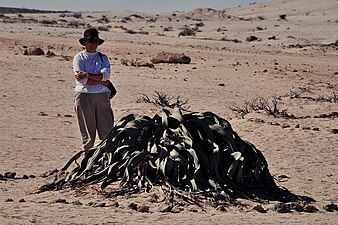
293	60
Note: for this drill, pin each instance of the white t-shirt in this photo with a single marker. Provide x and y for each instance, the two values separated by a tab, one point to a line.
91	63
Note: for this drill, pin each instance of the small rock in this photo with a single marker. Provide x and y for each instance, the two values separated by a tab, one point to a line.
115	204
334	131
176	210
187	32
282	208
43	114
9	200
221	208
60	200
33	51
285	126
50	54
166	208
256	120
95	204
101	204
282	16
2	177
311	209
193	210
77	202
251	38
259	208
22	200
167	57
331	207
10	175
132	206
274	123
49	173
297	126
297	207
25	177
42	202
153	198
282	178
143	208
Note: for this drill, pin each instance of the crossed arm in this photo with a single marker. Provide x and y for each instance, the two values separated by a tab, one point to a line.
93	78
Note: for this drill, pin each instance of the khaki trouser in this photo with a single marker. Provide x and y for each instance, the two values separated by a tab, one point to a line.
94	113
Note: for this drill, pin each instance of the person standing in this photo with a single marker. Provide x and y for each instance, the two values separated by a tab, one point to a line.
92	102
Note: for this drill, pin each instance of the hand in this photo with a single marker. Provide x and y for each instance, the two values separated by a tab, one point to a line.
80	75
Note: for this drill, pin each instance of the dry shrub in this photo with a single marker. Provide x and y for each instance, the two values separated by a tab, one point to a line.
162	100
271	107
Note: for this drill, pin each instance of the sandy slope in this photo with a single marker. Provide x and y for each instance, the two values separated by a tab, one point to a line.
39	131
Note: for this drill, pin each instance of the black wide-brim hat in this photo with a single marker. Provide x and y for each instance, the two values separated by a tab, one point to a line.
91	35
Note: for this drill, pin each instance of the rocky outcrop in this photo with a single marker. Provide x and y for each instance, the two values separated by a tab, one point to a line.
167	57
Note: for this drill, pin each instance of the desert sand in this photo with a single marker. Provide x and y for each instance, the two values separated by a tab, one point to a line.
291	57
